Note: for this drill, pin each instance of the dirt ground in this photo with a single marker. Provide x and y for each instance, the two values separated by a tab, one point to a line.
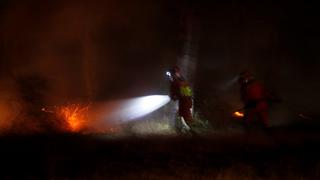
275	154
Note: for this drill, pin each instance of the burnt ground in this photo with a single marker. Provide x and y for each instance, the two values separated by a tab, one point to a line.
275	154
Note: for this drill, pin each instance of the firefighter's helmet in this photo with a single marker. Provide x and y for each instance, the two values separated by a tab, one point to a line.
245	77
175	71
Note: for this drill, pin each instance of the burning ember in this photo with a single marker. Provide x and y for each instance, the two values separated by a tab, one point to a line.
238	114
74	116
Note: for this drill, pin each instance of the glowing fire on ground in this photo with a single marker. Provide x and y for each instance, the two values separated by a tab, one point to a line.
238	114
104	117
74	116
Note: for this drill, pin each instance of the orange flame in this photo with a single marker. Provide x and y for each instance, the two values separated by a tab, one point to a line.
238	114
75	118
74	115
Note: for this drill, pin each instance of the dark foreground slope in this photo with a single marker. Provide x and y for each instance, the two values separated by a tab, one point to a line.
273	155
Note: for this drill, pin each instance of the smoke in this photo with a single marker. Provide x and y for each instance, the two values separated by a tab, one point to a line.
62	52
126	110
10	106
21	100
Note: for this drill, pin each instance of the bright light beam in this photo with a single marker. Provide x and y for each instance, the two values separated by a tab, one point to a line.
126	110
228	84
141	106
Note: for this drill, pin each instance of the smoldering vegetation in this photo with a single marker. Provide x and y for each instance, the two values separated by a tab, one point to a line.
22	101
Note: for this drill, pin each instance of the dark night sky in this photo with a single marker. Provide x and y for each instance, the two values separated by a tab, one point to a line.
107	49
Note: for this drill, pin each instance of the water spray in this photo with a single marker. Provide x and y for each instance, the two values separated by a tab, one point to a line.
126	110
